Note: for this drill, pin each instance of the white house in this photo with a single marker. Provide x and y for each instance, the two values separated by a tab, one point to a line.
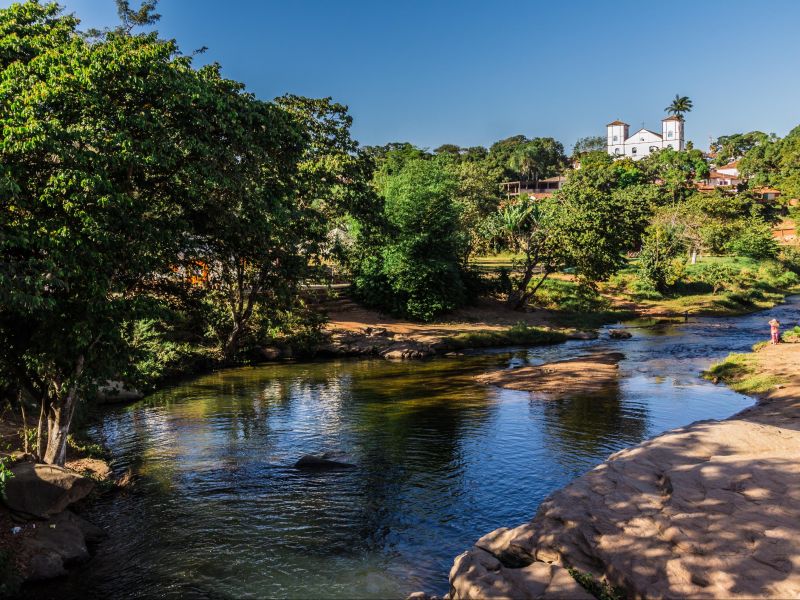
731	169
644	142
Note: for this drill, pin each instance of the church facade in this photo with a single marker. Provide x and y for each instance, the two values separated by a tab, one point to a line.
644	142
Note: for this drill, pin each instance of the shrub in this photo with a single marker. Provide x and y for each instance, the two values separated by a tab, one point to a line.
5	474
558	294
791	336
660	261
754	240
158	354
641	289
789	257
718	276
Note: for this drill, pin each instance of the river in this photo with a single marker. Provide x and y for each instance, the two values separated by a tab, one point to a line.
220	512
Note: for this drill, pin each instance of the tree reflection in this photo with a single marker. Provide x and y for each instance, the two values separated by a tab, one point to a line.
586	429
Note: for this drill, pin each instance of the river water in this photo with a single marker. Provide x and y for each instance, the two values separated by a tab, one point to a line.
220	512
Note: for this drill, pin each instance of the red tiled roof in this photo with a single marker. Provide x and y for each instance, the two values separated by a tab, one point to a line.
616	123
733	165
672	118
718	175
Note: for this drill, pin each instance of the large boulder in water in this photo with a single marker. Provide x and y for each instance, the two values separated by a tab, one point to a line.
318	462
58	543
41	491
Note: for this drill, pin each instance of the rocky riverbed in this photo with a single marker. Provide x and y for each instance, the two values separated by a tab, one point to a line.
711	510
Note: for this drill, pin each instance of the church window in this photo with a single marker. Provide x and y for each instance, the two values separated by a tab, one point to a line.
616	138
616	151
633	150
669	134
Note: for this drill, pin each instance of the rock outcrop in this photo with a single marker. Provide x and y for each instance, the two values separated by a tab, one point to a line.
711	510
321	462
376	342
40	491
57	543
585	375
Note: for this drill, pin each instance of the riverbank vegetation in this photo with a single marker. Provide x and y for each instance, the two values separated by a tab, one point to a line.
159	220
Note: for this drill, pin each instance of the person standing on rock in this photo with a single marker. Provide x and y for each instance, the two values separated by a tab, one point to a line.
775	331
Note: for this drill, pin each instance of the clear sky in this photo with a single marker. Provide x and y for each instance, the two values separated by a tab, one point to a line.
469	73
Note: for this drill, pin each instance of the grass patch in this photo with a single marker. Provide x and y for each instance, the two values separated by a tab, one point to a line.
791	336
518	335
751	285
602	590
740	373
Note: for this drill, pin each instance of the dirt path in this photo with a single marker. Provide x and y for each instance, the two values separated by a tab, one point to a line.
711	510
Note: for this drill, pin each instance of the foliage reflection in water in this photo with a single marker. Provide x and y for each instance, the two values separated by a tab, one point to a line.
221	512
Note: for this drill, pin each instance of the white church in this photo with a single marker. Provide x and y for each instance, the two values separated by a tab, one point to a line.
644	142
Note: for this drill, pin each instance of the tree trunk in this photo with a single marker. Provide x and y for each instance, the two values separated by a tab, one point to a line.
59	419
694	256
40	431
232	343
58	423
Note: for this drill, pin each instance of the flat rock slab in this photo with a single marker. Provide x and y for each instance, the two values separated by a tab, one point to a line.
711	510
582	376
40	491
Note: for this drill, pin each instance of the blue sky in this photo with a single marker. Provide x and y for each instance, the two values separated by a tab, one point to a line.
469	73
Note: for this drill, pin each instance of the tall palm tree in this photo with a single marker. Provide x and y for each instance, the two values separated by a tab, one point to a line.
679	106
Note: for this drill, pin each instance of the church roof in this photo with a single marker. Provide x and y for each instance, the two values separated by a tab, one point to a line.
672	118
617	122
647	130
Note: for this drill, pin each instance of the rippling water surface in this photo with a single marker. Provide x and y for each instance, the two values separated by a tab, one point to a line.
221	513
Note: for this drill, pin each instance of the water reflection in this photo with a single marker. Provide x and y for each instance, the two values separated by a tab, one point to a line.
221	512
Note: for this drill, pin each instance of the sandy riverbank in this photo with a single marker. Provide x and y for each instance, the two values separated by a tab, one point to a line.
711	510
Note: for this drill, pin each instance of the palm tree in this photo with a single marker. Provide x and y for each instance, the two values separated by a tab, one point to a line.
679	105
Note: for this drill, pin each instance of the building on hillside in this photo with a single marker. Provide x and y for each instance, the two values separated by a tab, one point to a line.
644	142
717	179
731	169
543	188
767	193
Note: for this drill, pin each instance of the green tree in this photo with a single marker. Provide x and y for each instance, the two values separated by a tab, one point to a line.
661	260
531	228
594	143
594	219
676	171
335	174
416	270
95	188
679	106
736	145
252	229
538	158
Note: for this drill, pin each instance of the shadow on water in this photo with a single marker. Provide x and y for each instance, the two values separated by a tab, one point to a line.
220	512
